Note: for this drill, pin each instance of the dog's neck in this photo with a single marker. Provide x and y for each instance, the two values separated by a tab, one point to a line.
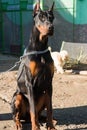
37	41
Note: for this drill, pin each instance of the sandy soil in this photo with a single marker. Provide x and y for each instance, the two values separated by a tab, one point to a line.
69	101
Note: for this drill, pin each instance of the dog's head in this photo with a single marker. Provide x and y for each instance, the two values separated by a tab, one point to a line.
64	55
44	20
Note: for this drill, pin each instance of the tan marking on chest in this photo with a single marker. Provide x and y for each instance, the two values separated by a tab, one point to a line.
33	67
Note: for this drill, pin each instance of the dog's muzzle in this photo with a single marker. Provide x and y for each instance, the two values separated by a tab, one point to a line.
50	29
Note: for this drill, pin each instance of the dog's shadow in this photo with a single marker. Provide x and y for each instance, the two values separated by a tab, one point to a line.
73	115
64	116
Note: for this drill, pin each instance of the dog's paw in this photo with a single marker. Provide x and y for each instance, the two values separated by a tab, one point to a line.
19	126
60	72
36	128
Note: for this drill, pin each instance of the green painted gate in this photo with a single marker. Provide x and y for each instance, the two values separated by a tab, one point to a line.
16	23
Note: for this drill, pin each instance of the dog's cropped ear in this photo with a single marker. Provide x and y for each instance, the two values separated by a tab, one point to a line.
36	9
52	7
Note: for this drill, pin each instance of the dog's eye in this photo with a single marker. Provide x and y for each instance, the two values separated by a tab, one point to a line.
51	19
42	17
50	16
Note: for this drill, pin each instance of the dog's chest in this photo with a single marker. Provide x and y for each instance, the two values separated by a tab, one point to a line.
41	71
41	68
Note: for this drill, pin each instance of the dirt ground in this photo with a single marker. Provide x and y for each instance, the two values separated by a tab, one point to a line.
69	100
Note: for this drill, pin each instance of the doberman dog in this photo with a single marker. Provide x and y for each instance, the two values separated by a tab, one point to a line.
34	81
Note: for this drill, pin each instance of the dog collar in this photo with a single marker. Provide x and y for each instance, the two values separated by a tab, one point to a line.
34	53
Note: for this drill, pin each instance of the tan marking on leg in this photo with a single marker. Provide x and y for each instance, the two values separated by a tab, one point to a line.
17	117
20	103
35	125
18	100
17	120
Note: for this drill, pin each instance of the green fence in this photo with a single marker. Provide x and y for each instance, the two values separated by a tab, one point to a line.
63	23
16	23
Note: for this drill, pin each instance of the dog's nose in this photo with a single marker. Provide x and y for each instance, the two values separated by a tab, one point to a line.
51	27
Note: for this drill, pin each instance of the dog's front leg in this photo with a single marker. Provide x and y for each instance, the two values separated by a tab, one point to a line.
18	123
35	125
30	97
49	113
